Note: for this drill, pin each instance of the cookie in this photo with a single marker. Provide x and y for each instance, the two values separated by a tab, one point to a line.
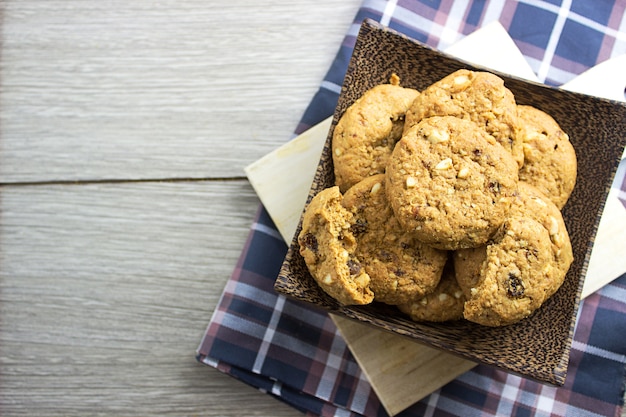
467	268
450	183
480	97
367	132
445	303
549	157
515	276
532	203
400	267
521	267
327	246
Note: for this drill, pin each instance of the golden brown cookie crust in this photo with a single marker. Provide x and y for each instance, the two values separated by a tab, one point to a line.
327	246
515	277
531	254
400	267
549	157
467	267
444	303
367	132
480	97
532	203
450	183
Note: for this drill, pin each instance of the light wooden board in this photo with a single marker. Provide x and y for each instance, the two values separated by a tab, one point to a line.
415	370
298	161
400	370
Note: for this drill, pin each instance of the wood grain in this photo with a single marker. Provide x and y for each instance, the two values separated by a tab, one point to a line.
143	89
402	372
110	271
105	292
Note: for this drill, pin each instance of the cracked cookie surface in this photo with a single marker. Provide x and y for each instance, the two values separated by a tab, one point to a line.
523	265
514	277
327	246
367	132
400	267
450	183
478	96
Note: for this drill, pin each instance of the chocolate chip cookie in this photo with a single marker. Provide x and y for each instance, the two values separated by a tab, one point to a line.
532	203
520	267
444	303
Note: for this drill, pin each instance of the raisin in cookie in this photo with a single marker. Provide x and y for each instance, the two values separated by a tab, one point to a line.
521	267
515	276
327	246
450	183
445	303
549	157
480	97
531	202
400	267
367	132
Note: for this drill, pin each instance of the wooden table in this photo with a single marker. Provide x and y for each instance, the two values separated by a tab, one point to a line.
124	130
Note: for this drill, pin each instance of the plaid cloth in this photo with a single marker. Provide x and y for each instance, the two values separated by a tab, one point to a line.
294	352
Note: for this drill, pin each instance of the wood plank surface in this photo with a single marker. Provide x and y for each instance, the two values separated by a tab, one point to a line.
141	89
105	292
124	130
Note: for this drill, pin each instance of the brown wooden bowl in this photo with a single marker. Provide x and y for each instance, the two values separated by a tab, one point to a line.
537	347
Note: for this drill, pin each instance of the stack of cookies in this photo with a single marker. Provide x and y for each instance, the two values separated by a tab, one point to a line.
446	203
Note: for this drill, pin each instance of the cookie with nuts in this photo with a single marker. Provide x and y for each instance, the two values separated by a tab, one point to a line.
367	132
549	157
532	203
477	96
400	267
450	183
513	277
444	303
328	246
520	267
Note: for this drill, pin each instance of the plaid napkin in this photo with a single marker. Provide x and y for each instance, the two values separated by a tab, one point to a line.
294	352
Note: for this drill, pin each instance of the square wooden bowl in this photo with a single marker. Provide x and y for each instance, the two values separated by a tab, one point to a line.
539	346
